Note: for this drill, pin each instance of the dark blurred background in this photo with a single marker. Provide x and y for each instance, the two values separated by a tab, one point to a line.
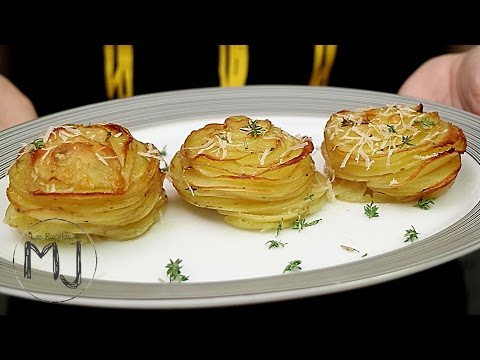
59	77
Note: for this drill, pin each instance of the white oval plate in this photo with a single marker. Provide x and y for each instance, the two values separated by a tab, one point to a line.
229	266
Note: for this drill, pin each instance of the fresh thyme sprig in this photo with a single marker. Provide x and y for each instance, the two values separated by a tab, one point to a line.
406	140
253	128
424	204
163	152
174	271
426	123
411	234
279	227
309	197
371	210
223	136
293	265
38	143
275	244
301	223
391	129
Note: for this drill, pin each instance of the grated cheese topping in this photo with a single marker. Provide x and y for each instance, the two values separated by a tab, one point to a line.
387	130
264	156
330	178
393	182
293	148
101	158
425	157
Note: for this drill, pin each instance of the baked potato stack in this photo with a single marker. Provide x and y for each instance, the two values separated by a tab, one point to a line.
96	176
391	154
250	171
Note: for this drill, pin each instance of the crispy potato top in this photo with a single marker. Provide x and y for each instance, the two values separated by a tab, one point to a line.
245	147
379	134
83	159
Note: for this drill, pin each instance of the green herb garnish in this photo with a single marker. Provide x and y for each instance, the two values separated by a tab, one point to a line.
174	271
364	255
301	223
163	152
391	129
411	234
279	227
371	210
253	128
223	137
406	140
38	143
308	197
424	204
426	123
275	244
293	265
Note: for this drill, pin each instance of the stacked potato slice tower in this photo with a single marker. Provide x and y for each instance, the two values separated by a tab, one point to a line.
252	172
391	154
96	176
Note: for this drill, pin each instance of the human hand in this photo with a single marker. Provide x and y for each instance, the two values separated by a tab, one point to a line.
452	79
15	107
